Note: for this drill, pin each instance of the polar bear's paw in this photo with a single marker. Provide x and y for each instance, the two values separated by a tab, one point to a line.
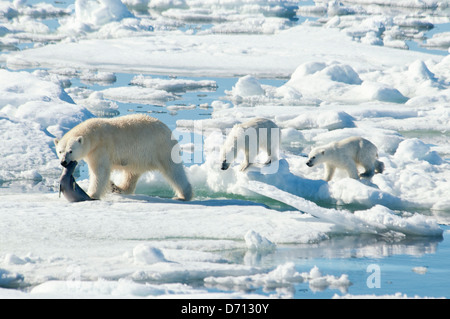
115	189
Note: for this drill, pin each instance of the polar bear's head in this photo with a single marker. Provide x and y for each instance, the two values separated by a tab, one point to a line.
317	156
70	149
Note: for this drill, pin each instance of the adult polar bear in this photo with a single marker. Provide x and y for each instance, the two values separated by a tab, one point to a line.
347	154
133	144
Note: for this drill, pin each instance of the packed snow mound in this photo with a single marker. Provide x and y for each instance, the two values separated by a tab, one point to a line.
100	12
329	120
248	91
370	91
256	242
146	254
104	19
314	83
248	86
329	79
335	72
419	71
415	149
340	82
33	111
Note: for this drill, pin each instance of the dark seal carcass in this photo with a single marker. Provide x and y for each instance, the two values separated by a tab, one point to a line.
69	187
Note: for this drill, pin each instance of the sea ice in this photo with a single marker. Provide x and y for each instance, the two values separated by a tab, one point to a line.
342	78
33	110
173	85
283	276
145	254
256	242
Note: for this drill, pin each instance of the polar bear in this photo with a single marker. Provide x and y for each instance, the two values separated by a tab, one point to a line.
347	154
132	144
251	137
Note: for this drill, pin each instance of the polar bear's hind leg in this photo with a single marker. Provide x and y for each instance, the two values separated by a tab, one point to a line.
128	183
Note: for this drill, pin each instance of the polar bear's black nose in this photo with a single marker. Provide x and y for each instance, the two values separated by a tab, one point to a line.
309	163
225	166
64	163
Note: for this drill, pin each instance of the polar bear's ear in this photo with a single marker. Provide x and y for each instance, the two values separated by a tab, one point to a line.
56	141
80	139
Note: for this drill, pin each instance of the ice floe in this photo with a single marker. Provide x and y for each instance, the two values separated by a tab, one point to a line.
343	75
33	109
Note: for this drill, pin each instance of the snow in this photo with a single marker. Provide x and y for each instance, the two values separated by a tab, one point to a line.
280	277
33	109
173	85
248	86
378	219
145	254
343	77
255	241
415	149
93	14
214	54
121	249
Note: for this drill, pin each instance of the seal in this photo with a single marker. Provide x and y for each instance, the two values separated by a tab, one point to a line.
69	187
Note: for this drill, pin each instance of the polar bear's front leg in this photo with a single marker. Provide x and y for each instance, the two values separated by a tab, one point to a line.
99	175
244	165
329	171
269	154
246	162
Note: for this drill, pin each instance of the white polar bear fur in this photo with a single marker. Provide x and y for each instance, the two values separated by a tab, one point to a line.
347	154
133	144
251	137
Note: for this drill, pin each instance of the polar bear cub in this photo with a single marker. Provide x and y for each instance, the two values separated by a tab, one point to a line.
132	144
251	137
347	154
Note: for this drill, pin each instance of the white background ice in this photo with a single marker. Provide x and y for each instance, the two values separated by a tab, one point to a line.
342	70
